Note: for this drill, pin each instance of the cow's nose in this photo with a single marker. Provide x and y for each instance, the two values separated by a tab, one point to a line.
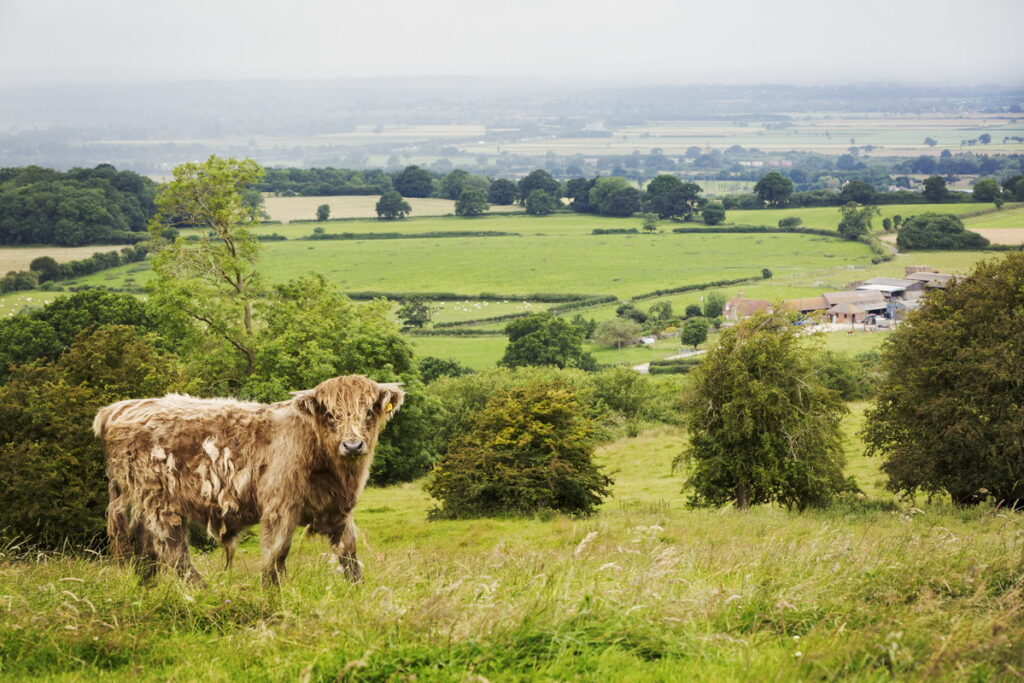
353	447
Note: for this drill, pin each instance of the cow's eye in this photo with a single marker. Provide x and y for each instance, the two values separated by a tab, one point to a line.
329	416
369	414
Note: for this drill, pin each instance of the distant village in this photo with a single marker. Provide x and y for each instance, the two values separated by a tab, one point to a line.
881	301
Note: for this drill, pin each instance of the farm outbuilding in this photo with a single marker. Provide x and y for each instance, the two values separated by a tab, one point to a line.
739	308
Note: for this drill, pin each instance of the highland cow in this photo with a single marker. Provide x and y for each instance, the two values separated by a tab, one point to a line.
224	465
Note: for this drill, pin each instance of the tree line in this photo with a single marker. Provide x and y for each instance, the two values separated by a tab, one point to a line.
82	206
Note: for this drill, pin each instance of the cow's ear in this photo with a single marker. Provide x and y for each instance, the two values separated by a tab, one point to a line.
391	398
305	400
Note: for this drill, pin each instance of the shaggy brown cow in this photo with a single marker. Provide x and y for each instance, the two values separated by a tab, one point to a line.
225	465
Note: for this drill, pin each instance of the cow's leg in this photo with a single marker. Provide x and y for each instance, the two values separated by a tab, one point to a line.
146	558
170	538
277	527
343	542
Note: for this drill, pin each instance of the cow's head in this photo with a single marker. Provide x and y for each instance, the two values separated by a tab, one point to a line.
350	411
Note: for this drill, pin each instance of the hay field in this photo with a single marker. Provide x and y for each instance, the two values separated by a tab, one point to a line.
287	209
18	258
1002	235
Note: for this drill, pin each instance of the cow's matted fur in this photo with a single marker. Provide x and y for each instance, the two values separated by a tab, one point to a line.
224	465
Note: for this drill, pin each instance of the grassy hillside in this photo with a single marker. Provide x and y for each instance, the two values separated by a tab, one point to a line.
644	590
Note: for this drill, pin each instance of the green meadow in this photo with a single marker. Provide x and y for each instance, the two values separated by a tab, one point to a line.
623	265
645	590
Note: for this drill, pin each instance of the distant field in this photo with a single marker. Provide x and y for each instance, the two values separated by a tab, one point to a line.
475	352
1011	216
15	302
825	133
18	258
1002	235
287	209
624	265
828	216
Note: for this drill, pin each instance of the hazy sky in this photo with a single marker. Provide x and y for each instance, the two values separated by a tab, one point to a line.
735	41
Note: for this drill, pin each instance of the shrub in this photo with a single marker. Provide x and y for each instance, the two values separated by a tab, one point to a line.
934	231
762	427
791	222
52	479
530	450
431	368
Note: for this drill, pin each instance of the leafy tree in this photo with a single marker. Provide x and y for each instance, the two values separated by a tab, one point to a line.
948	415
52	479
713	213
323	212
432	368
762	426
791	222
454	183
1013	188
985	190
935	189
766	274
856	220
679	203
661	185
578	190
617	332
391	206
713	304
631	312
47	268
43	334
413	181
543	339
859	192
211	282
539	180
472	202
603	189
540	203
548	465
887	224
662	310
650	222
692	311
502	192
310	332
984	138
586	326
931	142
773	189
694	332
932	231
622	202
414	311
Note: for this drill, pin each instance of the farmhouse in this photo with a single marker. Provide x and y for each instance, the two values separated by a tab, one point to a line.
739	308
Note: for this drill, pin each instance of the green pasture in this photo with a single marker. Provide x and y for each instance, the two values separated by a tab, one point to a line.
1010	216
15	302
828	217
475	352
645	590
624	265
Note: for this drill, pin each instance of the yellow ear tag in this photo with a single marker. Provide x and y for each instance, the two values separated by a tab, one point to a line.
387	408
